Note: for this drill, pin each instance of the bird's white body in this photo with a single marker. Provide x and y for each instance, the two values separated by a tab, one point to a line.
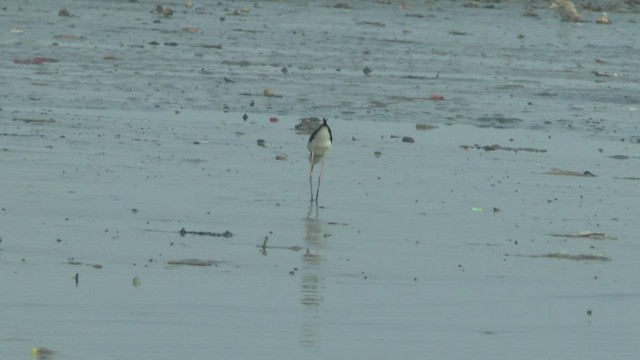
319	145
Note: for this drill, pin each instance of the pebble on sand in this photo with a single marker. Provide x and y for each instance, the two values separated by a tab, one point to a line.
567	11
425	126
603	19
268	92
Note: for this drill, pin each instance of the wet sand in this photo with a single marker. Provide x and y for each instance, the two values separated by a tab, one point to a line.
448	246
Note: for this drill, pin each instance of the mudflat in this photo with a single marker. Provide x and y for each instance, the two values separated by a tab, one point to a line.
480	199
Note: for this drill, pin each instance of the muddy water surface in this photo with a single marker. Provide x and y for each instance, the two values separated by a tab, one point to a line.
132	129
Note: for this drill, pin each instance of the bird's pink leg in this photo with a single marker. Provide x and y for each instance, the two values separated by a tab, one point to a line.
319	178
311	175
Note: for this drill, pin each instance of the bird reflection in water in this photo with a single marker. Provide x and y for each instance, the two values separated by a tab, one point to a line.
313	278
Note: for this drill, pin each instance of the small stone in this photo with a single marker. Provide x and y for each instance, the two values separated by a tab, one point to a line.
64	12
425	126
281	156
408	139
268	92
603	19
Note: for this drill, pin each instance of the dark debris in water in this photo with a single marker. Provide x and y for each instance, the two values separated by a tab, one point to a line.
500	147
497	121
72	261
36	61
264	247
35	120
562	172
561	255
621	157
193	262
586	235
226	234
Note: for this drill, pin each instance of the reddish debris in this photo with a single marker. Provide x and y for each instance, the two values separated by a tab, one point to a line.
35	61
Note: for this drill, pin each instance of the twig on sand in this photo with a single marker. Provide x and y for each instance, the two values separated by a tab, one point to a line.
226	234
586	235
562	255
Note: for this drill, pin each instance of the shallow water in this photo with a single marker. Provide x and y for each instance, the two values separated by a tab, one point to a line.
104	161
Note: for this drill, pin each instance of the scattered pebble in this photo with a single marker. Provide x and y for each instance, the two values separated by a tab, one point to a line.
408	139
268	92
281	156
64	12
603	19
42	352
567	11
377	154
425	126
261	143
162	11
367	70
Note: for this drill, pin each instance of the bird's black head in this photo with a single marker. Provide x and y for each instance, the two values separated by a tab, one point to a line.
324	123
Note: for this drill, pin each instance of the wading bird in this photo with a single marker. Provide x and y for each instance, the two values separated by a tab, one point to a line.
319	144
